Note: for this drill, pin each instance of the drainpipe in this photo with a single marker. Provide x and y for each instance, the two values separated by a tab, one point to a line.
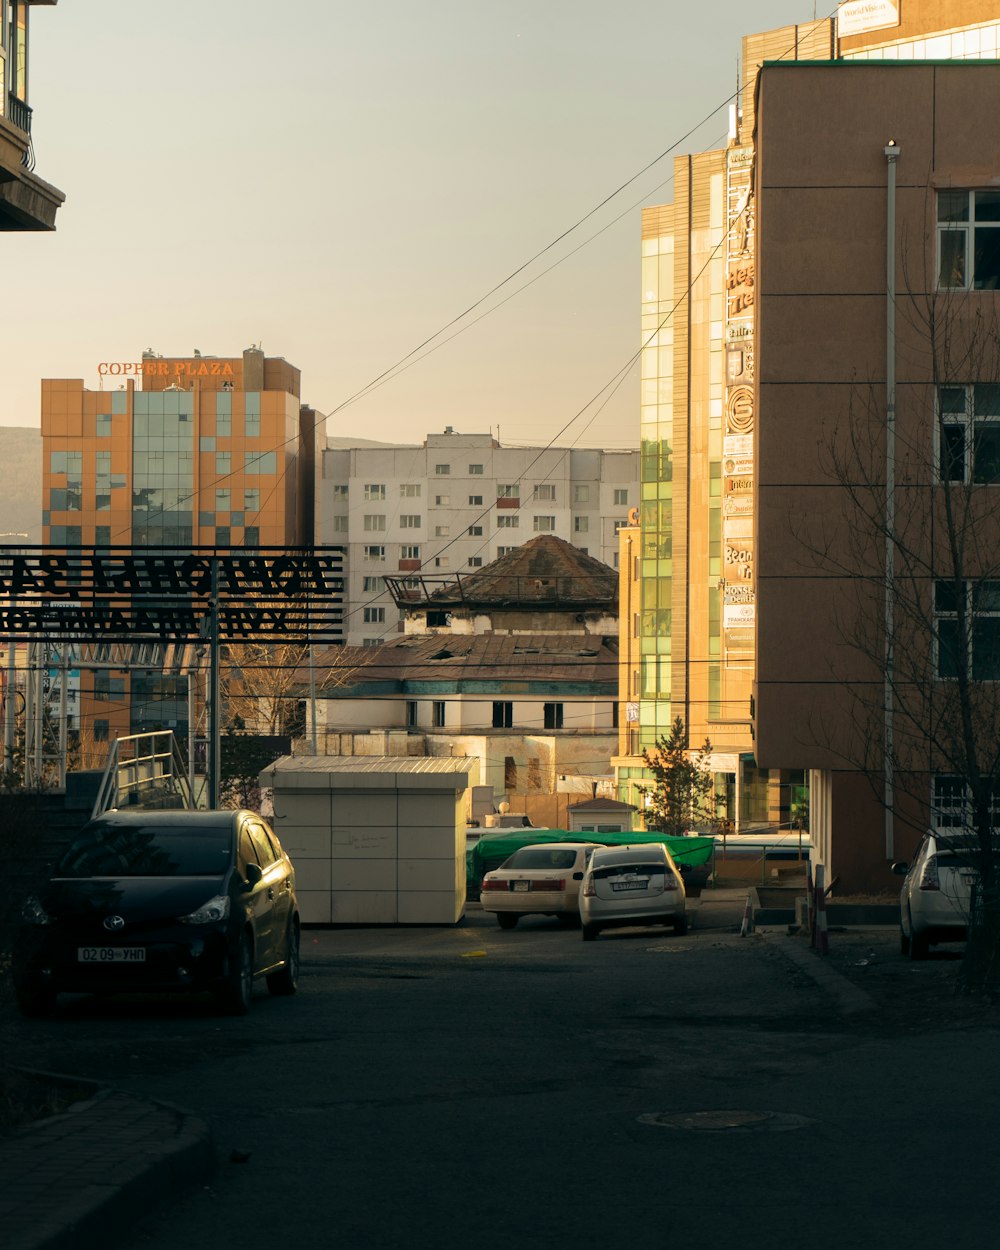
891	152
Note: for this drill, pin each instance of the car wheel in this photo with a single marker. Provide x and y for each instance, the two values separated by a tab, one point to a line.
681	925
286	980
589	931
237	989
507	919
35	1004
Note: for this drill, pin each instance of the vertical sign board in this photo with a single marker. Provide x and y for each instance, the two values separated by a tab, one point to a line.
739	601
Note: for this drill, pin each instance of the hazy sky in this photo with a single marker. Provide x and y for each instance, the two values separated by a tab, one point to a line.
338	181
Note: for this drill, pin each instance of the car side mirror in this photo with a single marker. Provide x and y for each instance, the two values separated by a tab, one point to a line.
254	875
577	876
900	868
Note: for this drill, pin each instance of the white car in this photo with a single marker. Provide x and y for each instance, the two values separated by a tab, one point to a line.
632	885
936	893
537	881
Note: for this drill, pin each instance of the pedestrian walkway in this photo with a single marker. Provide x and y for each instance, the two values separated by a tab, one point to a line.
75	1180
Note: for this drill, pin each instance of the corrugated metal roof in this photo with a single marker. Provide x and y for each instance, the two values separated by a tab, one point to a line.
365	764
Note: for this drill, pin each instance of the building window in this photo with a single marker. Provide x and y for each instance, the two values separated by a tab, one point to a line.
409	522
510	491
442	470
369	643
409	490
475	501
581	494
968	227
475	531
411	713
374	522
475	470
969	433
502	551
101	730
967	628
340	524
223	462
339	490
440	562
108	689
503	715
373	585
223	536
439	710
441	531
222	500
102	536
251	536
544	524
475	562
581	524
619	525
251	499
621	498
375	553
614	716
442	501
546	491
553	716
952	803
264	462
409	553
374	492
507	522
373	616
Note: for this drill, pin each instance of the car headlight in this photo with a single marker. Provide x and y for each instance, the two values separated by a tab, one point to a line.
212	912
34	913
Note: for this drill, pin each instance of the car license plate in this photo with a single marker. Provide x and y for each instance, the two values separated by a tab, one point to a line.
522	885
629	885
111	954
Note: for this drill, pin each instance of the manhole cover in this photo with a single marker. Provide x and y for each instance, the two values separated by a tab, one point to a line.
726	1121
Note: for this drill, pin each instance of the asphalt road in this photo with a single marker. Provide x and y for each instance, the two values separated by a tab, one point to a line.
438	1088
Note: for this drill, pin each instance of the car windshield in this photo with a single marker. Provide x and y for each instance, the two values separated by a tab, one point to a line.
540	857
148	851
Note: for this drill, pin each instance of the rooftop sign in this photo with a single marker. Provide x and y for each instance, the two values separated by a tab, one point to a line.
106	594
856	17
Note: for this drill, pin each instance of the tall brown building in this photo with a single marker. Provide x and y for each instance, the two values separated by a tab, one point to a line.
177	452
764	335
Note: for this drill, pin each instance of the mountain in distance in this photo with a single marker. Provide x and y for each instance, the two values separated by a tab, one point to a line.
20	483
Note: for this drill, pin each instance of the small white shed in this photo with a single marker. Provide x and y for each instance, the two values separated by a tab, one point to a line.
379	840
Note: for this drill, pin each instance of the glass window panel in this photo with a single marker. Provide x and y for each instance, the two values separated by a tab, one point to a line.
952	399
953	453
986	270
986	596
222	498
986	649
953	206
951	272
988	205
986	461
948	649
945	597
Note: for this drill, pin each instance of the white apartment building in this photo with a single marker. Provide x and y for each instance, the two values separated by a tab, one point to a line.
456	503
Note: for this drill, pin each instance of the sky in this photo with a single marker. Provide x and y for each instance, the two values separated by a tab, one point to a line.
339	181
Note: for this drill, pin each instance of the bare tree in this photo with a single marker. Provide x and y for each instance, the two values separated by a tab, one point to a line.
918	552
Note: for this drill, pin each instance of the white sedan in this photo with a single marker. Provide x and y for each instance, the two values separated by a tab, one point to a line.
632	885
935	898
537	881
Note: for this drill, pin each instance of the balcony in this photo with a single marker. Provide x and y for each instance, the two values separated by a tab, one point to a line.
20	114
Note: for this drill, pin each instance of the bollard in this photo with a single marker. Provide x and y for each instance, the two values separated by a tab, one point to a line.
747	925
822	943
810	905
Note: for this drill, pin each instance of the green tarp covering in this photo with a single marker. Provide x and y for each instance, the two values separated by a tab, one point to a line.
493	848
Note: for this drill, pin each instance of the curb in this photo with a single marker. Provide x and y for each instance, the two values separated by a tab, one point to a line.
98	1166
849	998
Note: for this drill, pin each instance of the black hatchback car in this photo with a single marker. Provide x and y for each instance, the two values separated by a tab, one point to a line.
162	900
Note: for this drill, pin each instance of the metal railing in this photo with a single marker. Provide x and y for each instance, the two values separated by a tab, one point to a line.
19	114
144	770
